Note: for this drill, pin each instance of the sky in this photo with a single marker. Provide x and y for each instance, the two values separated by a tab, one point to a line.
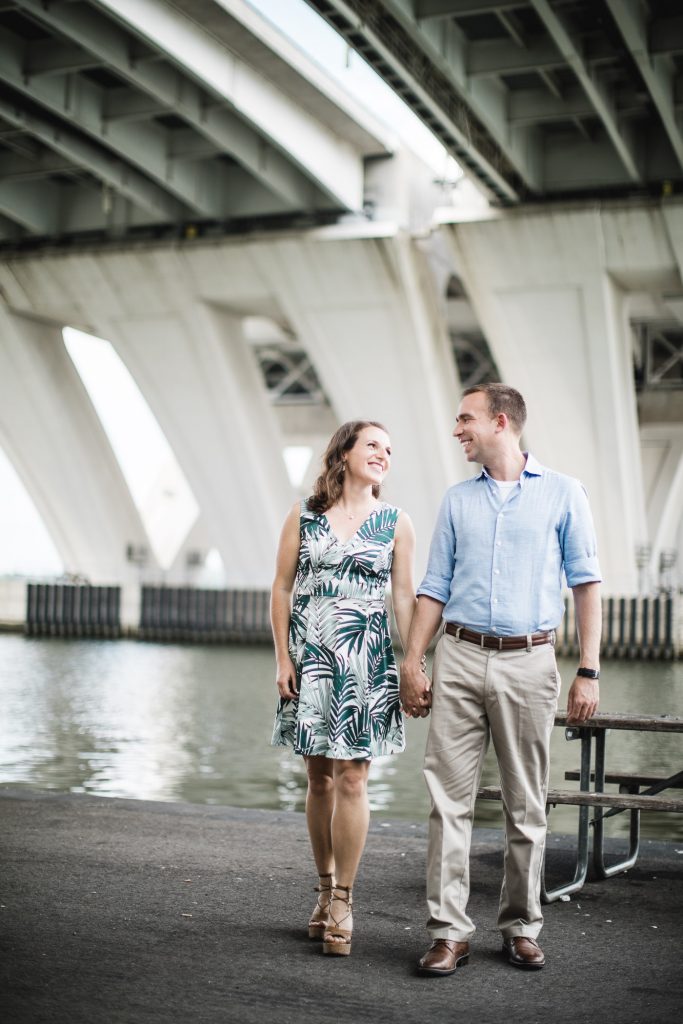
148	464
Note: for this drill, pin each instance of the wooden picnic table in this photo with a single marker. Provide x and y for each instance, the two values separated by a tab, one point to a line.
636	792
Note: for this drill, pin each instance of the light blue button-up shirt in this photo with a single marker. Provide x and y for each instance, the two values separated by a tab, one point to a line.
498	565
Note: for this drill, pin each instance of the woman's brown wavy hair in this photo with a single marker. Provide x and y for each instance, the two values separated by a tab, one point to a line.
328	487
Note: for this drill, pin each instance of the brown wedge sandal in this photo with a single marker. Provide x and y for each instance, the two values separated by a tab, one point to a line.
333	933
321	912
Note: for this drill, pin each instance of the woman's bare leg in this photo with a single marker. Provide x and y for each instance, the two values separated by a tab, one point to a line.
350	822
319	811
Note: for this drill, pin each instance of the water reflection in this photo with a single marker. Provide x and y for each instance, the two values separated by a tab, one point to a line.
165	722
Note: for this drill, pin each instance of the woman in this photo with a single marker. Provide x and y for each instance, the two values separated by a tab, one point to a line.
336	673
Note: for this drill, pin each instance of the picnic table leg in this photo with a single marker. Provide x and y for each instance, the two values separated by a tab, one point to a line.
601	869
581	870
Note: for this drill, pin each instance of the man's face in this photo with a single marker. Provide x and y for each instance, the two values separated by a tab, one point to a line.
475	428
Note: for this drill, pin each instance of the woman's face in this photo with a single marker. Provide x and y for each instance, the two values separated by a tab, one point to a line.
369	460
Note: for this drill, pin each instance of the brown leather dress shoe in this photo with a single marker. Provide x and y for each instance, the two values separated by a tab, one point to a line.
443	956
524	952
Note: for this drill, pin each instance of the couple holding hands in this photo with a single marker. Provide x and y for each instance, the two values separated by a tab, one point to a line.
502	543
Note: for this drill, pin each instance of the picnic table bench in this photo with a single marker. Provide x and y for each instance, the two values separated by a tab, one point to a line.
637	792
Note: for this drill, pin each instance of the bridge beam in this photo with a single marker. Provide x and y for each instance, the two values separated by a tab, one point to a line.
81	103
596	93
202	384
431	75
658	70
326	159
90	157
226	132
54	439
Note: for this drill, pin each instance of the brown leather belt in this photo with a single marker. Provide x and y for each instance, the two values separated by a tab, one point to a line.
499	643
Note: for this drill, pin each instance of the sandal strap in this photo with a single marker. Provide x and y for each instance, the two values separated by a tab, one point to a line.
338	921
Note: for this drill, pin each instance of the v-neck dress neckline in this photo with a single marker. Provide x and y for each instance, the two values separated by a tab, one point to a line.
333	533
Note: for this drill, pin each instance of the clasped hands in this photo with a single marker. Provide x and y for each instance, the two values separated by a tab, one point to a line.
415	690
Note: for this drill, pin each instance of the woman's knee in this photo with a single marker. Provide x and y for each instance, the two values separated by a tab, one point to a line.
351	781
320	779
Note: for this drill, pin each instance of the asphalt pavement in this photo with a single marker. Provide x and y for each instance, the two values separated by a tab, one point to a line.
130	912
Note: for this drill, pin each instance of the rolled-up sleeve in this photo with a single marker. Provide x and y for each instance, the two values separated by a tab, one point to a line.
578	541
441	563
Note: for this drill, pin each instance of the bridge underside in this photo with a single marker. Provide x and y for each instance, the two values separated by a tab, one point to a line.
536	99
145	119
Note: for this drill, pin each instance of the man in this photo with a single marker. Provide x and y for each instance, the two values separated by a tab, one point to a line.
500	546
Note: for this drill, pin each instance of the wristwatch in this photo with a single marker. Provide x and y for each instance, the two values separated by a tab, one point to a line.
588	673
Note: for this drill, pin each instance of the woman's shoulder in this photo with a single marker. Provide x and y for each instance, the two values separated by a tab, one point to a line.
308	516
389	517
393	510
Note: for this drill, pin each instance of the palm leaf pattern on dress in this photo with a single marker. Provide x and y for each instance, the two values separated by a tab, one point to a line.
351	626
345	705
339	641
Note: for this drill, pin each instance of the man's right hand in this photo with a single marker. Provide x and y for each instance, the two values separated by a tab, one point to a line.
416	689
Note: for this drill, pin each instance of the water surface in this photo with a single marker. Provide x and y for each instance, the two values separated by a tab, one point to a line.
172	722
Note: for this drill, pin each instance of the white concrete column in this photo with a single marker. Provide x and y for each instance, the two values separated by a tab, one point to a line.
53	437
549	290
202	383
365	311
662	450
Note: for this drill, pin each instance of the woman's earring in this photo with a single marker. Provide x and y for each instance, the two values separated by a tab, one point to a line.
343	467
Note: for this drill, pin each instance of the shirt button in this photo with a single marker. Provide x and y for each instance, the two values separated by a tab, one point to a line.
495	600
497	572
494	629
498	543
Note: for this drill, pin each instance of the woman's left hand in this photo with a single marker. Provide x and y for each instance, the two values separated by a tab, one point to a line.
285	680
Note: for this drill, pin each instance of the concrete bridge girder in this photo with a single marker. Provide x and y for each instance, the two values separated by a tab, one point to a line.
52	435
202	384
333	164
550	289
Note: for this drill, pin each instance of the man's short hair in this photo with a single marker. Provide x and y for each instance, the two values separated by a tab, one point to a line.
503	398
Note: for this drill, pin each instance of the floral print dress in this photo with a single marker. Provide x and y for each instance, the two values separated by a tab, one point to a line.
339	641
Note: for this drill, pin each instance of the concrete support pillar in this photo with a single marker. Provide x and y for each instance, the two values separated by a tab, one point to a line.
662	449
366	312
202	383
549	290
56	443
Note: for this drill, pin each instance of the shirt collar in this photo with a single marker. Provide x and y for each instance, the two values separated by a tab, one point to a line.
532	468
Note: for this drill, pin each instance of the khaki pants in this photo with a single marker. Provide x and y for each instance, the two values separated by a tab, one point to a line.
510	696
